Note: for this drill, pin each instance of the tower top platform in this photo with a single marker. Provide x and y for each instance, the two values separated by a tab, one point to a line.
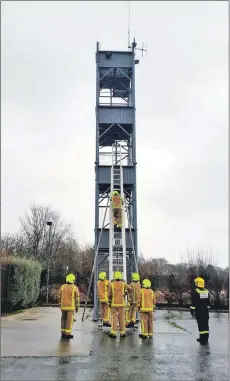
129	51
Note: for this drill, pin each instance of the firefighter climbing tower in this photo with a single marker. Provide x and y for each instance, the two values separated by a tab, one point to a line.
115	165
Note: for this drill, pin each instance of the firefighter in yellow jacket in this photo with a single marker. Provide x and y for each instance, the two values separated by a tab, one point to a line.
69	301
132	307
103	286
117	202
117	297
146	303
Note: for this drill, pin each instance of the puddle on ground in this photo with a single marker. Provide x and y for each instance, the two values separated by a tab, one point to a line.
29	319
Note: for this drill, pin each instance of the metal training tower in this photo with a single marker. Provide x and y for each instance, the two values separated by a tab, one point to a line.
115	164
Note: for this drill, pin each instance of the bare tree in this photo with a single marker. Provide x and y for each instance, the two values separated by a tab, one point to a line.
35	232
204	265
181	273
68	254
156	270
13	245
226	281
217	284
74	258
200	258
201	263
87	258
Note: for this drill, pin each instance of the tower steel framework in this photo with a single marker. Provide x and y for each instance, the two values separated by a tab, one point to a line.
115	164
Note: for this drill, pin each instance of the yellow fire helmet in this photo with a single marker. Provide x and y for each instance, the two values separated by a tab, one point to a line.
117	275
70	278
199	282
146	283
102	275
115	192
135	277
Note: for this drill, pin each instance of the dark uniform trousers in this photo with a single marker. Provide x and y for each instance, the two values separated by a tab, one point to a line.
202	318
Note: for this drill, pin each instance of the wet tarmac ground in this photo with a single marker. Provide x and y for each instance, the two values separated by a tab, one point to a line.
31	349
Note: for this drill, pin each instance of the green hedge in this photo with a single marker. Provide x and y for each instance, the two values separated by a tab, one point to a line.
24	282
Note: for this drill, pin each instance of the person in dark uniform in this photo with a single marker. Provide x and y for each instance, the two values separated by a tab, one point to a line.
200	309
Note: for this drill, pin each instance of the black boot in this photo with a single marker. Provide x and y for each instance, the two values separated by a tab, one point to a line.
123	335
201	341
68	336
143	336
112	336
205	338
106	324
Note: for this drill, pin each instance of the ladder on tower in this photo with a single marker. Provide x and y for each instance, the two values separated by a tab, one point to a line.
117	245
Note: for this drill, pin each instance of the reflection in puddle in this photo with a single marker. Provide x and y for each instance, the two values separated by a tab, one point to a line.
63	348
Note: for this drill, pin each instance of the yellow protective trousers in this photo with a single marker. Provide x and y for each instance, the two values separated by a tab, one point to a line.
67	318
105	312
131	313
117	316
147	323
117	217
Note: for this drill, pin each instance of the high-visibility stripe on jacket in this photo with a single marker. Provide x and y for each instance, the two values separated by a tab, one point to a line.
200	299
135	296
117	201
117	293
69	297
147	300
103	290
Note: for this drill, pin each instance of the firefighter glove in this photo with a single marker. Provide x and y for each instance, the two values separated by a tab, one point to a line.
192	312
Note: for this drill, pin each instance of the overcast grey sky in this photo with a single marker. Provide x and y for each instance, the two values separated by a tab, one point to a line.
48	116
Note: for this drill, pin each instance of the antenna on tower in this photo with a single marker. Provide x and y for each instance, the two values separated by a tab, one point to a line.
133	45
143	49
129	46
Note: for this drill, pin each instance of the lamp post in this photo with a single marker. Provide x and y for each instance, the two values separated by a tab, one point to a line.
49	223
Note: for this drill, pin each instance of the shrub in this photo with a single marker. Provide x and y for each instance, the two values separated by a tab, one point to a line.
54	291
212	297
223	298
24	282
160	297
186	298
